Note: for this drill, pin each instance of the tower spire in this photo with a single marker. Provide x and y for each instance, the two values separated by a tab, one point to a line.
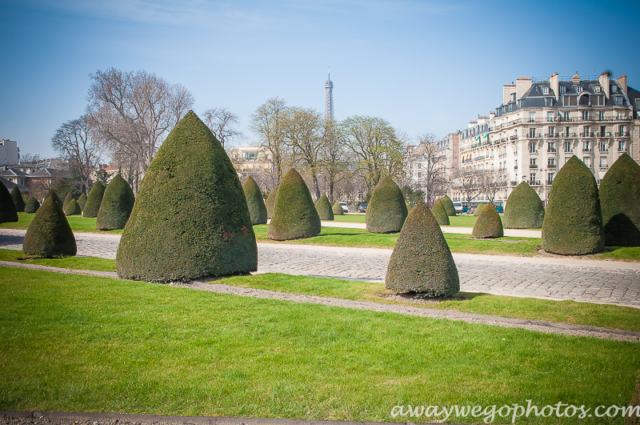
328	102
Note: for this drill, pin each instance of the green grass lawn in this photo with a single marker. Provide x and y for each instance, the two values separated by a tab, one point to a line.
457	221
78	223
76	263
77	343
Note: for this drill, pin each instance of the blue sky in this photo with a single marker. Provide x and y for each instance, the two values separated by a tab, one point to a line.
425	66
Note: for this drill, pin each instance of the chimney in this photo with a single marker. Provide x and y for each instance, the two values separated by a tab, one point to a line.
576	78
492	115
622	82
522	85
507	90
554	83
604	82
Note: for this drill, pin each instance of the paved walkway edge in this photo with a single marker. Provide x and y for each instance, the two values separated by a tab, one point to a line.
121	418
507	322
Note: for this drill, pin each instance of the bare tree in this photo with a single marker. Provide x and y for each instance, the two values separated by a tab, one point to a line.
466	182
334	157
132	114
222	124
490	182
269	123
427	167
376	147
74	143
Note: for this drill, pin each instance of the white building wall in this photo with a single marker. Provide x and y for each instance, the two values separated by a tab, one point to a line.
9	152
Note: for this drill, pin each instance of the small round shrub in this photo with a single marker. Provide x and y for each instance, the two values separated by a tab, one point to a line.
32	205
573	220
49	234
447	203
7	207
190	219
73	208
439	213
67	199
94	200
255	202
18	200
324	208
294	215
82	201
116	205
387	210
478	210
620	200
488	224
271	202
524	209
421	261
337	209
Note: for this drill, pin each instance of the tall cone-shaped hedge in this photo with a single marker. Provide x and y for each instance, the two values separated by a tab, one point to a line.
387	210
94	200
190	218
524	209
7	207
478	210
18	201
253	195
323	206
53	195
82	201
620	200
488	224
49	234
447	203
294	215
421	260
73	208
271	202
32	205
67	199
116	205
337	209
573	221
439	213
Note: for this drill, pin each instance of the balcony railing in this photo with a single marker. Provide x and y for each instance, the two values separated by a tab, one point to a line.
551	150
585	134
622	149
533	165
586	149
604	166
623	134
551	165
534	183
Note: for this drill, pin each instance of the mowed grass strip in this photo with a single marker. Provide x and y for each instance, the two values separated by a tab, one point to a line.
455	221
78	223
607	316
77	343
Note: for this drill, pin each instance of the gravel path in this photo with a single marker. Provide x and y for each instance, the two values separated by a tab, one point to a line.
532	325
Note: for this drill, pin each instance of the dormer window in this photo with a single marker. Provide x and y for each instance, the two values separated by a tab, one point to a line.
614	89
513	97
545	90
563	89
596	89
578	89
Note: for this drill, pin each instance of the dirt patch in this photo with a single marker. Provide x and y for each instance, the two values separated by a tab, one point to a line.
417	298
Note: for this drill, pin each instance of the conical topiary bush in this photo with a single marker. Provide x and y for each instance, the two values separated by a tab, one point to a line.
524	209
488	224
573	220
18	200
67	199
323	206
478	210
49	234
94	200
164	240
294	215
116	205
421	260
7	208
32	205
73	208
439	213
253	195
82	201
52	194
387	210
271	202
447	203
337	209
620	201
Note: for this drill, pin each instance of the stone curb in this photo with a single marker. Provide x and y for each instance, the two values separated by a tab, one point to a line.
506	322
120	418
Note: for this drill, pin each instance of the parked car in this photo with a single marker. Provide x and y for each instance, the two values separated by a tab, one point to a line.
345	207
362	208
458	207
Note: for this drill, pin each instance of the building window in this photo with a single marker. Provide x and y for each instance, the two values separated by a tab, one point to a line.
532	116
596	89
586	132
563	89
587	161
419	175
603	162
550	117
585	115
550	178
551	147
618	100
568	147
552	163
567	116
622	146
566	131
545	90
250	156
603	146
532	147
623	131
532	163
614	88
552	131
578	89
601	115
570	100
586	146
532	179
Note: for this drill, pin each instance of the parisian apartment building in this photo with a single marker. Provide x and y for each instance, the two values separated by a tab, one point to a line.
541	124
